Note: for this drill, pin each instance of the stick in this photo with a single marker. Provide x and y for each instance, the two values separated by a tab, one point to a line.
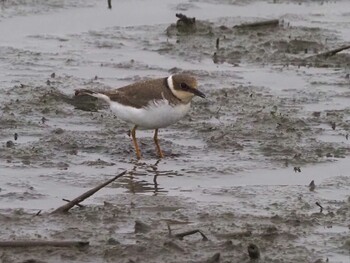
320	206
333	51
191	232
41	243
65	208
169	231
79	205
272	22
187	233
109	4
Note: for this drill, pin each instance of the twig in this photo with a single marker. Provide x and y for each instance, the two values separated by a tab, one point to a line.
272	22
38	213
191	232
333	51
187	233
155	183
235	235
169	230
217	112
320	206
79	205
65	208
41	243
109	4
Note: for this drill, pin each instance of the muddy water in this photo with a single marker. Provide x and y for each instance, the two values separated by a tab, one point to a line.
238	167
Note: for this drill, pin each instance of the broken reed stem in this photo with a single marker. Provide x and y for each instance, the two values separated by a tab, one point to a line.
333	51
272	22
320	206
79	205
169	230
65	208
41	243
191	232
187	233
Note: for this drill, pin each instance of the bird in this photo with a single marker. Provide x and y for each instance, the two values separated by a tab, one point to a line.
150	104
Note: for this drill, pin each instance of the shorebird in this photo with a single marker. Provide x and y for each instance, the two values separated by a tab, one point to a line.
151	104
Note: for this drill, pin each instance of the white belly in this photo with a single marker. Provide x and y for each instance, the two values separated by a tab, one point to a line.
157	115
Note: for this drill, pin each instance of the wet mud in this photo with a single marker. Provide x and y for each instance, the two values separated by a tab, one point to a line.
237	168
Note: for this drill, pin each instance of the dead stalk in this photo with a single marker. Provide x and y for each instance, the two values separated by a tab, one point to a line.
65	208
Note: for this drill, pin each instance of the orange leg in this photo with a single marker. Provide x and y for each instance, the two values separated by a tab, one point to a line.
155	138
137	149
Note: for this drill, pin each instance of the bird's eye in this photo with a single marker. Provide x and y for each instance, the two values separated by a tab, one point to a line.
184	86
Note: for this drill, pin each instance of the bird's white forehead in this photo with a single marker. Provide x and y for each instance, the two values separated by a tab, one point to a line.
170	82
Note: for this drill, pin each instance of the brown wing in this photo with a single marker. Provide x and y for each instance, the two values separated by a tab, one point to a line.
138	95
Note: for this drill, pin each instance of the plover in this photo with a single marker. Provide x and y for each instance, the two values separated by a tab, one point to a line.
151	104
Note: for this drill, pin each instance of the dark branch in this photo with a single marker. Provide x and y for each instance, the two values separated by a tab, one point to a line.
41	243
65	208
272	22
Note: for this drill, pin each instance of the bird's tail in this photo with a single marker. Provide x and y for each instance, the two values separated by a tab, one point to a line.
91	93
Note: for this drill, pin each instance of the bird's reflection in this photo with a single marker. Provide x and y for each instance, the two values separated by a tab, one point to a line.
136	179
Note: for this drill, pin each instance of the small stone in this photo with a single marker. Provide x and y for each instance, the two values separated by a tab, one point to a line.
253	251
334	125
141	227
347	244
26	162
10	144
58	131
271	230
43	120
112	241
316	114
312	186
214	259
297	169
